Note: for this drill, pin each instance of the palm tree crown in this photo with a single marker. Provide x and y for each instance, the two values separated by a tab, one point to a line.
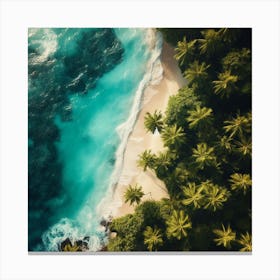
244	146
246	242
183	48
226	83
179	176
238	61
193	195
146	159
211	42
229	35
238	125
196	72
200	117
133	194
153	121
240	182
226	143
215	196
71	248
204	155
163	161
152	238
224	236
173	136
178	224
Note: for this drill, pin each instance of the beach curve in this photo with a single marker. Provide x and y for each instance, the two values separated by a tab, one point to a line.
155	97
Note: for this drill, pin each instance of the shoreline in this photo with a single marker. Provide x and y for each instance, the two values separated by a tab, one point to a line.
155	97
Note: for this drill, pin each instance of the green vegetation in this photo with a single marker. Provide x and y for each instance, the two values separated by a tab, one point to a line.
200	117
206	165
224	236
246	242
71	248
146	159
153	121
193	195
178	223
215	196
133	194
128	230
152	238
173	136
240	182
203	156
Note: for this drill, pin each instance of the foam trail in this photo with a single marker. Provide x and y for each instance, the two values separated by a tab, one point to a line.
86	222
153	76
46	42
70	229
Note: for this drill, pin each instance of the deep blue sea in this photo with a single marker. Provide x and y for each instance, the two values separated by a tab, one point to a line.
84	92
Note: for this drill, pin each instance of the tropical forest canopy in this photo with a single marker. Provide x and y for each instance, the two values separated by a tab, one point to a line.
206	166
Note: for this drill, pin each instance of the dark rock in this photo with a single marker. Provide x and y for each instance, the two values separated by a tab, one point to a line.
64	243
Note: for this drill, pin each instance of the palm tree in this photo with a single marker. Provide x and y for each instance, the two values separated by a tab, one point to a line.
152	238
71	248
246	242
238	125
163	161
153	121
211	43
238	62
146	159
240	182
229	35
215	196
177	224
178	177
181	173
244	146
200	117
204	155
193	195
226	84
168	205
183	48
249	117
133	194
224	236
173	136
226	143
196	72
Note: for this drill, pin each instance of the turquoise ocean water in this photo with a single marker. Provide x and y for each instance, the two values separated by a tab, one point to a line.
84	93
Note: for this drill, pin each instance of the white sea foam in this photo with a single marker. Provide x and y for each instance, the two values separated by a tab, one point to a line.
45	44
153	76
71	229
68	229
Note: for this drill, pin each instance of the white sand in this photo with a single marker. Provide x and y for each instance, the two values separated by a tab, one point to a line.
155	98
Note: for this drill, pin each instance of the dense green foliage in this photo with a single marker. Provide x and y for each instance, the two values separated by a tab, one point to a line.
206	165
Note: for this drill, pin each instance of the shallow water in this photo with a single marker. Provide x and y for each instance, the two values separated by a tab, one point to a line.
85	89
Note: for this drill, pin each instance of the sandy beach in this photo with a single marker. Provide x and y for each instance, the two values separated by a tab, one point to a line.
155	97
